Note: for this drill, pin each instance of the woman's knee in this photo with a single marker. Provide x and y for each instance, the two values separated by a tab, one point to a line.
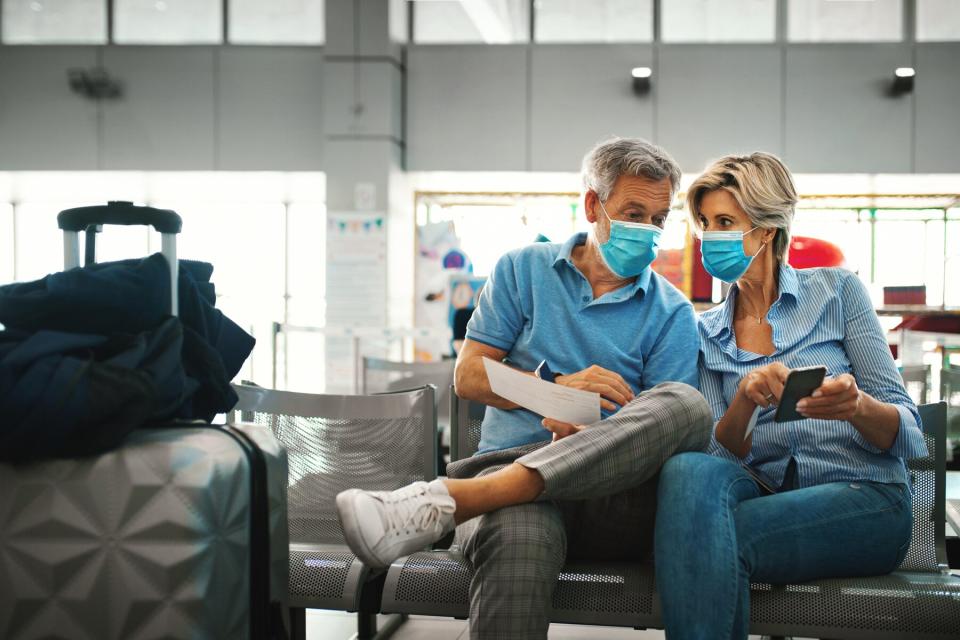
693	474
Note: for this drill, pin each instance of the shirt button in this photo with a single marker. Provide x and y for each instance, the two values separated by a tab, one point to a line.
586	298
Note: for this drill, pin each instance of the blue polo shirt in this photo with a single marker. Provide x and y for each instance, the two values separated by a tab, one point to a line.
538	306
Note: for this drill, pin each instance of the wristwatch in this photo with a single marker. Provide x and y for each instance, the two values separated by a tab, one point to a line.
544	373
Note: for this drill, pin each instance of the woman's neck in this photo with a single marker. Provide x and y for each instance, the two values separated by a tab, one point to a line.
758	291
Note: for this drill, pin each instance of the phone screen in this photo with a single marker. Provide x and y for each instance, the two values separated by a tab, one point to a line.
800	384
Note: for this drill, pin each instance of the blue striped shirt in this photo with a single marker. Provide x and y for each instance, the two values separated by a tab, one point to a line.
821	317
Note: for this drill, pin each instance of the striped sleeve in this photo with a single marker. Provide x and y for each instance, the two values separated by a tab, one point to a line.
875	371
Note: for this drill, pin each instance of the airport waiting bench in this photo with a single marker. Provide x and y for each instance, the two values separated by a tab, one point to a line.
920	600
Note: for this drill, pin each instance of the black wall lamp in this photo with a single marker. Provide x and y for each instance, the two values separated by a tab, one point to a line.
95	84
902	81
641	80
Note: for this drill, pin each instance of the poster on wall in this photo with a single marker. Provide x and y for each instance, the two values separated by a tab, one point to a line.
356	289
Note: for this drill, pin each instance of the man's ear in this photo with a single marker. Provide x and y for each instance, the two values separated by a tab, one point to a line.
590	206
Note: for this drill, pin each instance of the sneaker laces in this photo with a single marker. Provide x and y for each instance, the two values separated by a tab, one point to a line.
406	510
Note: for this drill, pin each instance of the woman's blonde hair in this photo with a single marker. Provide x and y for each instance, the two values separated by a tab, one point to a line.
761	185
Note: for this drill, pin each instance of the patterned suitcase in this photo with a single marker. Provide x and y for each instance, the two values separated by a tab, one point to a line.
179	533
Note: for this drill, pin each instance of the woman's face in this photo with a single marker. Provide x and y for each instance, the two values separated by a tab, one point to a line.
719	211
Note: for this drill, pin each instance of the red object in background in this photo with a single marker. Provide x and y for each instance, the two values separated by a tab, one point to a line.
905	295
814	252
701	287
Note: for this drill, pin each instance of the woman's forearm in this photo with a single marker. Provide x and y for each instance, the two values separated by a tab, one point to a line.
878	422
733	425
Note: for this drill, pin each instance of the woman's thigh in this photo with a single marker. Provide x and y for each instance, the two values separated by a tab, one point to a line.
839	529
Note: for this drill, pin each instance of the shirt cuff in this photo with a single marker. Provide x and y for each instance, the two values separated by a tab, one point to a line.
909	442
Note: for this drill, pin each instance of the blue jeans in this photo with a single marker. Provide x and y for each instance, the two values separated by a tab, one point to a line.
716	533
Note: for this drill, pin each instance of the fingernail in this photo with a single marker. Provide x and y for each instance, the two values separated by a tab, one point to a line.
801	405
817	393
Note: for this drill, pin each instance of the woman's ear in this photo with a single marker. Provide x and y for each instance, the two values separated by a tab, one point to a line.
769	235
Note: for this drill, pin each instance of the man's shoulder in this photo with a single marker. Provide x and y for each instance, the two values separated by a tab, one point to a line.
532	256
666	293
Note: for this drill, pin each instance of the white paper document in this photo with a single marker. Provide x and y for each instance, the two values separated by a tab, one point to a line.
544	398
752	423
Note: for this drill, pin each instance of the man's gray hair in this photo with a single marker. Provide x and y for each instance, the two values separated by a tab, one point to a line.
615	157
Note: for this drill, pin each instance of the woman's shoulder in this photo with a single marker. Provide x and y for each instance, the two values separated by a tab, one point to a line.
829	275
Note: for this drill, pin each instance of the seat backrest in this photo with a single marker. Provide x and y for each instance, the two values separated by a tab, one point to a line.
927	551
465	420
916	380
387	376
336	442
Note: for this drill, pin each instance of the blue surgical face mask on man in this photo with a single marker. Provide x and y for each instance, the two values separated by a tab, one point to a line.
723	255
631	248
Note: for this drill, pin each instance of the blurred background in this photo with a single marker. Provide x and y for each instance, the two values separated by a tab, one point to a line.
353	169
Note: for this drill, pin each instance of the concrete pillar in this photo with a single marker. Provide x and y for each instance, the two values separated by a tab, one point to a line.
364	147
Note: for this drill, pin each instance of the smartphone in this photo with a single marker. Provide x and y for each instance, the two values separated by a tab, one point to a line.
800	384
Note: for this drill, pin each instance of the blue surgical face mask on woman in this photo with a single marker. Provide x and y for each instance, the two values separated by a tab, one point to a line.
723	255
631	248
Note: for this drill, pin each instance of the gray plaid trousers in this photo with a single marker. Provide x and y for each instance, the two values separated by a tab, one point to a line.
599	503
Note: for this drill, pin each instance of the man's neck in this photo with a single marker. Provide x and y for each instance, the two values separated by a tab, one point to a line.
588	260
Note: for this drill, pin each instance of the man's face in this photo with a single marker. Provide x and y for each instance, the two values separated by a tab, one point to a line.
633	199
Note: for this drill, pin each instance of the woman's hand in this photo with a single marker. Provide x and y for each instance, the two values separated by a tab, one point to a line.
836	399
764	385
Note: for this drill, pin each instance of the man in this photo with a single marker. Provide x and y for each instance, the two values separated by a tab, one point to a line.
589	314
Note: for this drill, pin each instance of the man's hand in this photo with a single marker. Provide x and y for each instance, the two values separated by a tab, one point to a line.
611	386
836	399
764	385
560	429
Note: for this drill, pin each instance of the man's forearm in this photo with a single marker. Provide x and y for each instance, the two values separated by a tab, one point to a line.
471	383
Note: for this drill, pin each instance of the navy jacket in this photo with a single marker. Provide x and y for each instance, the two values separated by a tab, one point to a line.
92	353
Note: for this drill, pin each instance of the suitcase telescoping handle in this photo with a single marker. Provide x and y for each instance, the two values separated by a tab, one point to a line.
90	220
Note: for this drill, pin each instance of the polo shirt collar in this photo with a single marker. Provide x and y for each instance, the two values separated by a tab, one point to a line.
565	255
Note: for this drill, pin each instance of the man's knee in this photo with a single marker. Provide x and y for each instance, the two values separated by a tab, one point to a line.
689	409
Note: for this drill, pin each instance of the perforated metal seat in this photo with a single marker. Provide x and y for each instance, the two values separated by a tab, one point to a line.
387	376
334	443
917	601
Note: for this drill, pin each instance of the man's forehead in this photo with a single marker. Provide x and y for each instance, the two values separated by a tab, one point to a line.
644	192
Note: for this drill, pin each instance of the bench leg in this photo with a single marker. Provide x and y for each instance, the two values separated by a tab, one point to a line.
367	626
298	624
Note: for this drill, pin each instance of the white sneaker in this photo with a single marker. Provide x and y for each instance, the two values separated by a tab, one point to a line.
381	526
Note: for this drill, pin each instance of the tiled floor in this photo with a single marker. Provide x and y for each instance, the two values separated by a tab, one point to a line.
329	625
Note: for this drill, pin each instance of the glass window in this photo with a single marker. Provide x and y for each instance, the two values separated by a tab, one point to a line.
479	21
845	20
593	20
168	22
718	21
276	22
54	21
938	20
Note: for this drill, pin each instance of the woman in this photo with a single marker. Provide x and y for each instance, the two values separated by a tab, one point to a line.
841	503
